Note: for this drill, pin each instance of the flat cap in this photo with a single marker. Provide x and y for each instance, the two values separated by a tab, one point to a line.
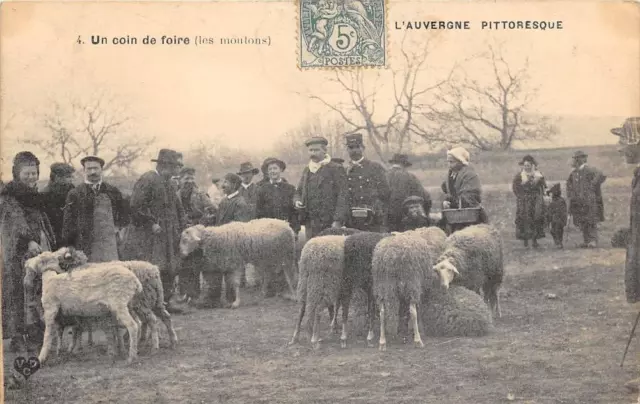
316	140
92	158
353	139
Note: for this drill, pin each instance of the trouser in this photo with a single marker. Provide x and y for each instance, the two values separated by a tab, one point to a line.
312	227
214	291
167	277
557	232
589	232
189	275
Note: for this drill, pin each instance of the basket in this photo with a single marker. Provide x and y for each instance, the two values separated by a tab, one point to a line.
462	215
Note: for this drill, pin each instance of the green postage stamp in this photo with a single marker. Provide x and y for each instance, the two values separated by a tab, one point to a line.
342	33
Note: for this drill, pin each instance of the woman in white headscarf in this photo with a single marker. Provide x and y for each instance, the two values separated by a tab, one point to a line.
462	187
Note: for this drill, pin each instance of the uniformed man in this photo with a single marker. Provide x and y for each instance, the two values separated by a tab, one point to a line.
368	189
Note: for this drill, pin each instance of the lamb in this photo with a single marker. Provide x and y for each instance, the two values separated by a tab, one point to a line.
147	306
102	292
269	244
455	312
358	256
321	268
473	258
402	272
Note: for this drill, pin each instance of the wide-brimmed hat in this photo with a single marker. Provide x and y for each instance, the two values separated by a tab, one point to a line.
273	160
528	158
353	139
168	156
246	168
629	133
92	158
401	159
579	154
316	140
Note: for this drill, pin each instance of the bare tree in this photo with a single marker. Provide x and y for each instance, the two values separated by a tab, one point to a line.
392	133
290	146
213	159
99	127
486	116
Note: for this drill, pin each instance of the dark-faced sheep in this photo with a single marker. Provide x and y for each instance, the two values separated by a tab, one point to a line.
402	271
473	258
104	292
321	267
269	244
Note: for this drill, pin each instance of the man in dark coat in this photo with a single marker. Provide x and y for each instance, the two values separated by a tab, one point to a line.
157	221
275	197
368	197
585	198
321	195
403	184
629	135
55	196
248	190
94	212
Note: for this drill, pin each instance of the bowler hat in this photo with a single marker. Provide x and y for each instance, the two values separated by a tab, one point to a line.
168	156
354	139
246	168
528	158
273	160
316	140
187	171
62	169
579	154
402	159
92	158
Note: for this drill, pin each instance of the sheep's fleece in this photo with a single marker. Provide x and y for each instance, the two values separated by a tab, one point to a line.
456	312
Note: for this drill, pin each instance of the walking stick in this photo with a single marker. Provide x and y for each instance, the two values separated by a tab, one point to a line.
633	330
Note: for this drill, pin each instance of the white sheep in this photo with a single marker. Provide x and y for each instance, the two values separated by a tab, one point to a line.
435	236
321	268
473	258
269	244
455	312
402	272
147	306
103	292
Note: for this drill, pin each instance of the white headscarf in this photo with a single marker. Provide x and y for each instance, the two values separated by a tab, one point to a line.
461	154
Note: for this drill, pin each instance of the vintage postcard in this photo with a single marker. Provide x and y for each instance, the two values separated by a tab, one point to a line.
377	201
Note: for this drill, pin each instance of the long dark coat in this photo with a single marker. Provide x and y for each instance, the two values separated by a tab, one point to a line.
530	208
324	195
235	209
55	197
22	219
463	188
199	209
632	266
403	184
250	195
276	201
368	187
154	200
77	228
585	195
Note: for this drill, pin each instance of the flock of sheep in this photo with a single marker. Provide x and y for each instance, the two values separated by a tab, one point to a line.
448	286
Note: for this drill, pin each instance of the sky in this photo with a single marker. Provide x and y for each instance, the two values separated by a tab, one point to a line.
249	95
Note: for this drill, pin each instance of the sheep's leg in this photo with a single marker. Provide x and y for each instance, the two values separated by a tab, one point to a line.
334	318
90	337
289	278
49	330
345	318
60	333
383	339
76	335
315	337
266	279
166	319
296	331
124	317
152	320
333	312
236	280
371	307
413	310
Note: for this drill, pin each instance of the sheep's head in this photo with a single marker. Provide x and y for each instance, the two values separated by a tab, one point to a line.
39	264
190	239
446	271
69	258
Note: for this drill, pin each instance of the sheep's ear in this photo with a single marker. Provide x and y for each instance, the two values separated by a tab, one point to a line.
196	238
455	270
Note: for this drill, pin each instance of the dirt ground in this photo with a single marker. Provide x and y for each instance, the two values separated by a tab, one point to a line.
561	338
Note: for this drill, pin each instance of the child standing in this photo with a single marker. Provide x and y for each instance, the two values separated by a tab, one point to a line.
557	214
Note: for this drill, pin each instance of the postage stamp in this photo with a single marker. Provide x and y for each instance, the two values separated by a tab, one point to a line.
342	33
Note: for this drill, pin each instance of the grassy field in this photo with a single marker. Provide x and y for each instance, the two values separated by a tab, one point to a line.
565	349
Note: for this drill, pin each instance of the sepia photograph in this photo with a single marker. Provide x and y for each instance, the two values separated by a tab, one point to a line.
320	201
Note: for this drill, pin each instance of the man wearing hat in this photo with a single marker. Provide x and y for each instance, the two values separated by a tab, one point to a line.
629	135
321	195
413	214
248	190
368	188
94	213
157	221
585	198
55	196
403	184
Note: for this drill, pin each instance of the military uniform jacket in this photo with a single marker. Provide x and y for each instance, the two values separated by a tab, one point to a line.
368	187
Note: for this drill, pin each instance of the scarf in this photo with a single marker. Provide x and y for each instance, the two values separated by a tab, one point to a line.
26	196
314	167
537	175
